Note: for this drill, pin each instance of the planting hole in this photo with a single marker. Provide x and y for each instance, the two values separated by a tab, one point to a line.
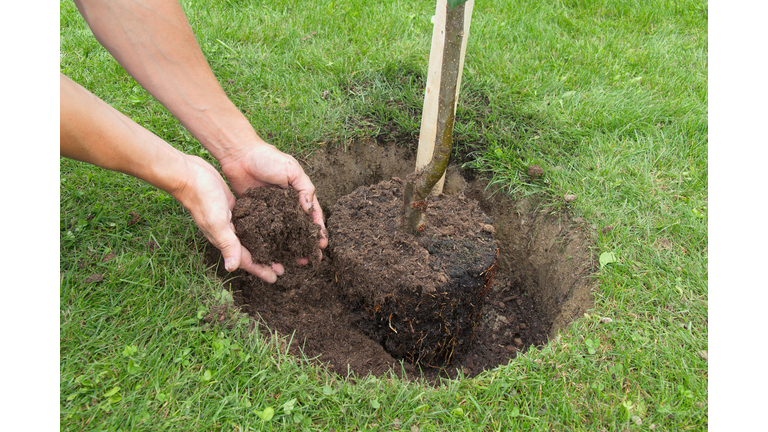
541	280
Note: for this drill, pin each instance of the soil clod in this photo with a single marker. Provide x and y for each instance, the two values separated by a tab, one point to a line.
95	277
535	171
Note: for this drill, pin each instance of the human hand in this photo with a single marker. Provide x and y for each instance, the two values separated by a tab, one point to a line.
208	198
265	165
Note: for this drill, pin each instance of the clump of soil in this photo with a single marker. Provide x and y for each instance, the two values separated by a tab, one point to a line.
542	281
535	171
271	224
417	295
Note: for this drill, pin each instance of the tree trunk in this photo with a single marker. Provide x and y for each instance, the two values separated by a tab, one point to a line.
419	187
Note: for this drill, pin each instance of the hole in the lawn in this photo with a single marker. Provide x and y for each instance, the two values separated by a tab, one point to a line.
542	281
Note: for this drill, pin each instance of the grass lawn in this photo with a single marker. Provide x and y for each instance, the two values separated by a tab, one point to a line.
610	97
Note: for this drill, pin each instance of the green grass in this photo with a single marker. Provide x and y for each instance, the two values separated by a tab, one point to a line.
609	97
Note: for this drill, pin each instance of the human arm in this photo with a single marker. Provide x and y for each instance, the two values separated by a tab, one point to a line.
92	131
154	42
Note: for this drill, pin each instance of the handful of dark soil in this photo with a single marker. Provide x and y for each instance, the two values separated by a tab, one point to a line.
274	228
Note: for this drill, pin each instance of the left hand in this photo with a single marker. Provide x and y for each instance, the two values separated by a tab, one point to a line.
265	165
208	198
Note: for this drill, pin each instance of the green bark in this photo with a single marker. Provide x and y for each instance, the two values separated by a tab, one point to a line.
418	189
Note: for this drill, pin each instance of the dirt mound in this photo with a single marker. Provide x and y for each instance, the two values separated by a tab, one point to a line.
417	295
541	283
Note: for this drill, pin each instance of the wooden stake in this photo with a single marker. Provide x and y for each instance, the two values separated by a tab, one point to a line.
426	178
428	132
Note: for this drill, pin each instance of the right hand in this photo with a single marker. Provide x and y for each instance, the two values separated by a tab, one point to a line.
264	165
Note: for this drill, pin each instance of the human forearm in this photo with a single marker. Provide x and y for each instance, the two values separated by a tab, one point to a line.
94	132
153	41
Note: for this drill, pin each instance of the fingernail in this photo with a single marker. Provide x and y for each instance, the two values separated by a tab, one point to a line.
230	264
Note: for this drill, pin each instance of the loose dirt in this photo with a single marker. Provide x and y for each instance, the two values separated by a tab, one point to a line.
273	227
542	280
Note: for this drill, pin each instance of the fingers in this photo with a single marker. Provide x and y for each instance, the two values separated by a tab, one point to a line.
263	272
268	274
305	260
264	165
317	217
311	206
231	248
306	190
278	269
236	256
231	257
209	200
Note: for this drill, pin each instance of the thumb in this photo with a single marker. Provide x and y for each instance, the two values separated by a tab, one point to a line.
230	248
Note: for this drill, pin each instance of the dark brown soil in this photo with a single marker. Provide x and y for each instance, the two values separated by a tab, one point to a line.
541	284
273	227
417	295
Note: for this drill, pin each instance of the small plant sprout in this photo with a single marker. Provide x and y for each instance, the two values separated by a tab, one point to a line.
592	345
267	414
607	258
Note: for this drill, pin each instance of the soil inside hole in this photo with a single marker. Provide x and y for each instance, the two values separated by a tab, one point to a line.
541	282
